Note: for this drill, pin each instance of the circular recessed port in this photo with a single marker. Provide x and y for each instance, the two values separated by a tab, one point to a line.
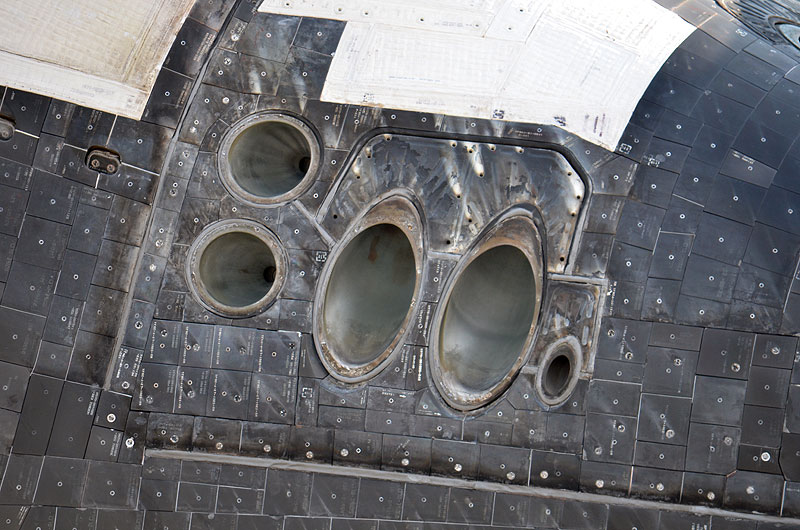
235	267
486	321
367	291
559	371
268	158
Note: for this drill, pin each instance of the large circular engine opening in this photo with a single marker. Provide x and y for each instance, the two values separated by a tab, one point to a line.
485	324
235	267
369	294
268	158
487	319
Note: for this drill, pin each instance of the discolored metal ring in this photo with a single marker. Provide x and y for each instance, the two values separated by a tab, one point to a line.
395	210
552	386
213	232
241	128
789	31
518	229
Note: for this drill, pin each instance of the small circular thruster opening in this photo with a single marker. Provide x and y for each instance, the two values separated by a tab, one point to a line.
369	294
268	158
556	375
235	267
559	371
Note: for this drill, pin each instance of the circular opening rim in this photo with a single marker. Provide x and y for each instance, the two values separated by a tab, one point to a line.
504	233
402	213
789	30
214	232
229	180
570	348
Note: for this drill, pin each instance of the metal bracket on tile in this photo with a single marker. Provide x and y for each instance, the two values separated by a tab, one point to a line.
102	160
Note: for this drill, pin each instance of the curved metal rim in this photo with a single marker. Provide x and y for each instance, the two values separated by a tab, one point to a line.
212	232
493	237
413	228
224	168
780	25
575	354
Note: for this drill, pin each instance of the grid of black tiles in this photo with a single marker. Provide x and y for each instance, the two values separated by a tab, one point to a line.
288	408
202	495
69	243
707	239
692	221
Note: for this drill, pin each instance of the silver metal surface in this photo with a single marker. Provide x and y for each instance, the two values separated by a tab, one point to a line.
790	32
462	186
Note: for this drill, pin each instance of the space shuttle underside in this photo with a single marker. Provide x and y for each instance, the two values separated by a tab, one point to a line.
441	258
347	265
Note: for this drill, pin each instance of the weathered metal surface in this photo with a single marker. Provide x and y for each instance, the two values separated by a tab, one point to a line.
462	186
